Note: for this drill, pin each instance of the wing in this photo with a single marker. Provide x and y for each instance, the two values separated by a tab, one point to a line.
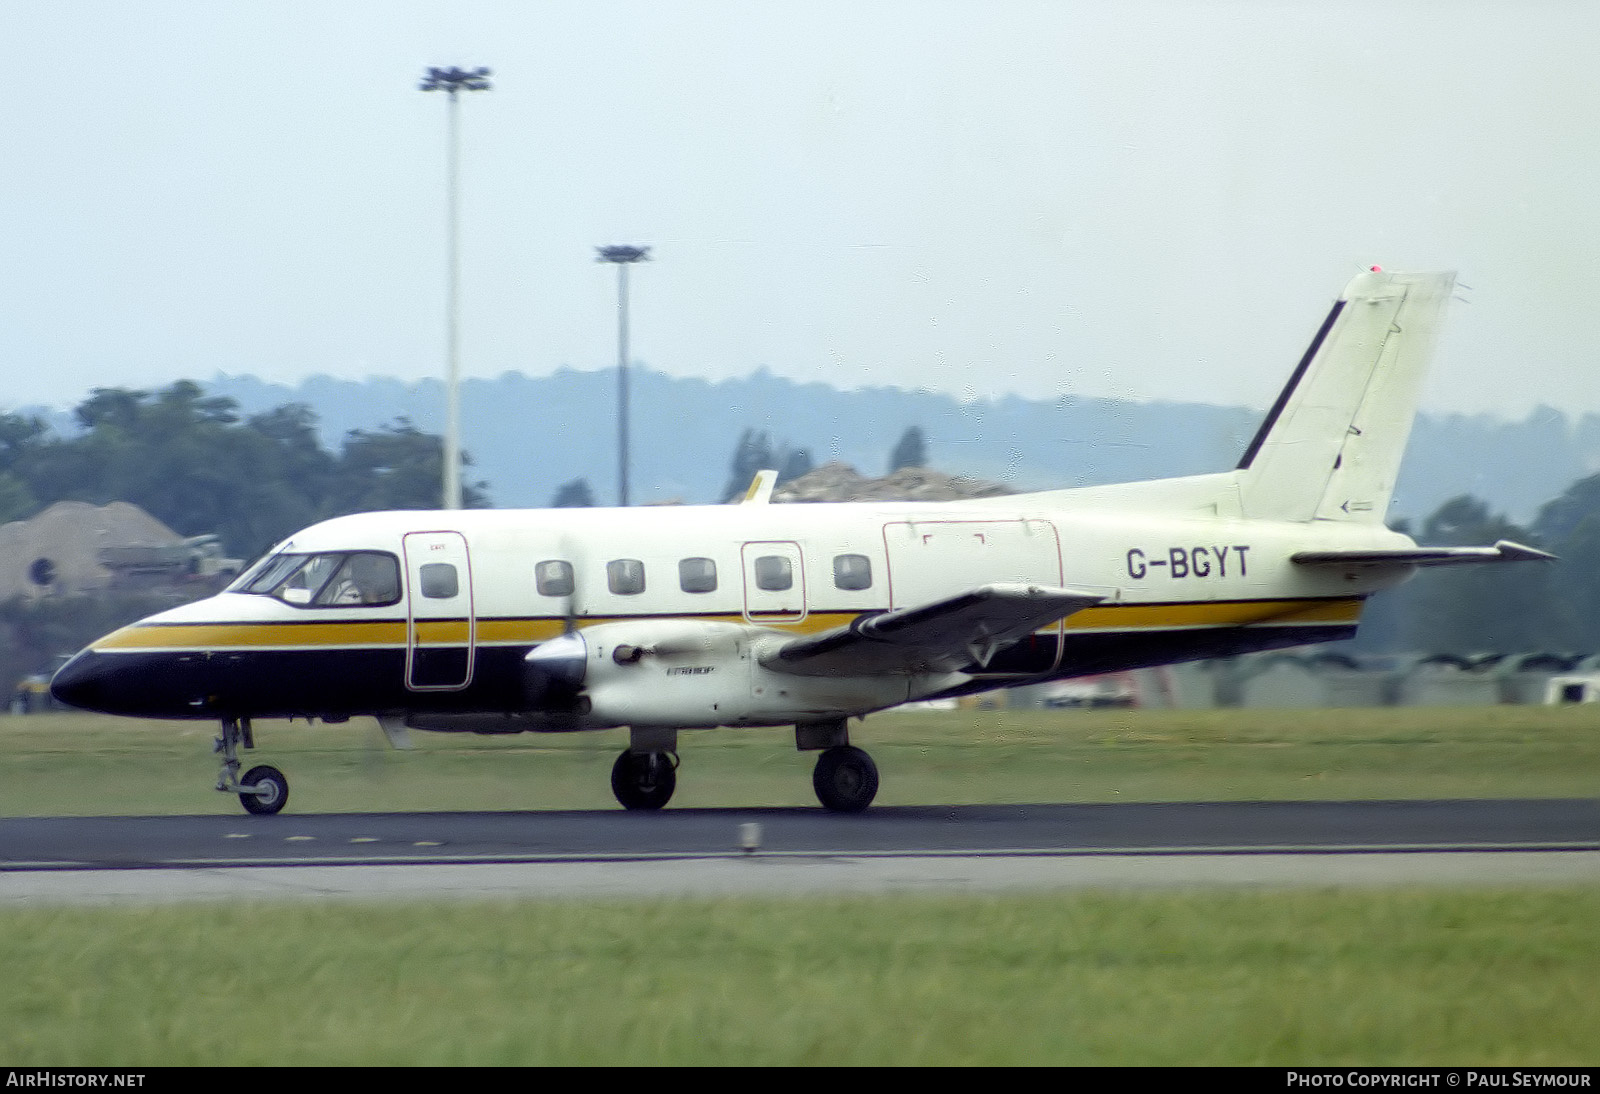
1502	551
940	636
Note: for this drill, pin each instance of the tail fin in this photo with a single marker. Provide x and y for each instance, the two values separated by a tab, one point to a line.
1330	447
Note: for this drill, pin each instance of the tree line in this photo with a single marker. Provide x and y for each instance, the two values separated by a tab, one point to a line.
195	464
1507	608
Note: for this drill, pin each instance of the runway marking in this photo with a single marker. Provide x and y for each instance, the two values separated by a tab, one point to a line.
299	839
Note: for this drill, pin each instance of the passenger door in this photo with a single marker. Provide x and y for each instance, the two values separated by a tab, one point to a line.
441	629
774	582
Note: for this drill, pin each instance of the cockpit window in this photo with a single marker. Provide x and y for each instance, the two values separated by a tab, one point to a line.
307	581
267	576
365	577
329	580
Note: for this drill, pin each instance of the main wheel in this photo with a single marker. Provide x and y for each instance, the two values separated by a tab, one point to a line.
265	790
644	780
846	779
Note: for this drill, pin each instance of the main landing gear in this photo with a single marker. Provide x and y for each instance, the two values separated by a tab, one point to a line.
263	790
644	780
845	778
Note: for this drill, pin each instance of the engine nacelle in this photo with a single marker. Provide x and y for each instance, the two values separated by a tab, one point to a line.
696	673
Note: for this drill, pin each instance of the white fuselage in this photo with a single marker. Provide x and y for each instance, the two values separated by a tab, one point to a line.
708	589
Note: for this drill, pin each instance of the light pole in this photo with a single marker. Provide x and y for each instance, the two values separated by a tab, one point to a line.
453	80
624	257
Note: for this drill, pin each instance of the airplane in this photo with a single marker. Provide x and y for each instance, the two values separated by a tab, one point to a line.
666	619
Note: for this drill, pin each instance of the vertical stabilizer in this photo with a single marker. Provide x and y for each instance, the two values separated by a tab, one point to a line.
1330	448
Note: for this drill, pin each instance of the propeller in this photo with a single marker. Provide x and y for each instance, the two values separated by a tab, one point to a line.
554	671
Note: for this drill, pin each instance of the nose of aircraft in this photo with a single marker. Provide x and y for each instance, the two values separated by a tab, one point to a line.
141	687
81	682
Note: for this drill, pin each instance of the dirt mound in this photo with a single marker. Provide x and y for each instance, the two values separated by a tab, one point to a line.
841	482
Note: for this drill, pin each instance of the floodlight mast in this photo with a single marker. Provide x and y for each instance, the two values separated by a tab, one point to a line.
623	256
453	80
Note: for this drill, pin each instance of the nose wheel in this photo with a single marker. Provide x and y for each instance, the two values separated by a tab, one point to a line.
263	790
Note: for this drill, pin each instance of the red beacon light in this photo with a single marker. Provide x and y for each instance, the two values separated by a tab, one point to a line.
1377	269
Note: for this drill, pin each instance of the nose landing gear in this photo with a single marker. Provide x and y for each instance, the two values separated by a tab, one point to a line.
263	790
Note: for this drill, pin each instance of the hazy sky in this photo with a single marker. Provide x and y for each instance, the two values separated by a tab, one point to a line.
1131	199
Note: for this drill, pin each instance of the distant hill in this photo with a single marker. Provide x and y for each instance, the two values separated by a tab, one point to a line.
528	435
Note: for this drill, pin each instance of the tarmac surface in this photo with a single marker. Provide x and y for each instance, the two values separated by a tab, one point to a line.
681	853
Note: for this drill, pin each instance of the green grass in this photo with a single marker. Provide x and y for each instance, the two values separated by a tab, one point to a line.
1394	977
75	764
1329	977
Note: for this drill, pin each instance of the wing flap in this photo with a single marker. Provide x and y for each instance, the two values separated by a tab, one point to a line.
939	636
1503	551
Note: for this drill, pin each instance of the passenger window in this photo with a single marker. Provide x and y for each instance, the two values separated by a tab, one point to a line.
852	572
625	576
553	577
697	575
774	573
439	581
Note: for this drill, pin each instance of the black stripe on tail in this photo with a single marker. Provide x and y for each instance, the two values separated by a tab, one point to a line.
1288	389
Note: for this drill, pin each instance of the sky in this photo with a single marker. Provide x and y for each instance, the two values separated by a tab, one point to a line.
1135	200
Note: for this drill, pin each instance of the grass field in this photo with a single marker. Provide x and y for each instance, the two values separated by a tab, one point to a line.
73	764
1394	976
1386	977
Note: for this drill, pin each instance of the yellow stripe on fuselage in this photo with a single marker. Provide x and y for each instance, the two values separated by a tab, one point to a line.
1221	613
521	632
213	636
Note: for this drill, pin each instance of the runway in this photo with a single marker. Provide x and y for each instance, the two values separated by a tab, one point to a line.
703	852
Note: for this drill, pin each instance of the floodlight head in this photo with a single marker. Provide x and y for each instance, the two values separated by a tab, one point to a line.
622	253
455	79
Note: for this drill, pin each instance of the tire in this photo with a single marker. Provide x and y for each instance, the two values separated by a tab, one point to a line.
276	785
845	779
644	780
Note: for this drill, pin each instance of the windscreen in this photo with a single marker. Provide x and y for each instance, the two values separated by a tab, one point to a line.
329	579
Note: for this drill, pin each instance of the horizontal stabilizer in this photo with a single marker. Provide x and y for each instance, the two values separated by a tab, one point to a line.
1502	551
940	636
